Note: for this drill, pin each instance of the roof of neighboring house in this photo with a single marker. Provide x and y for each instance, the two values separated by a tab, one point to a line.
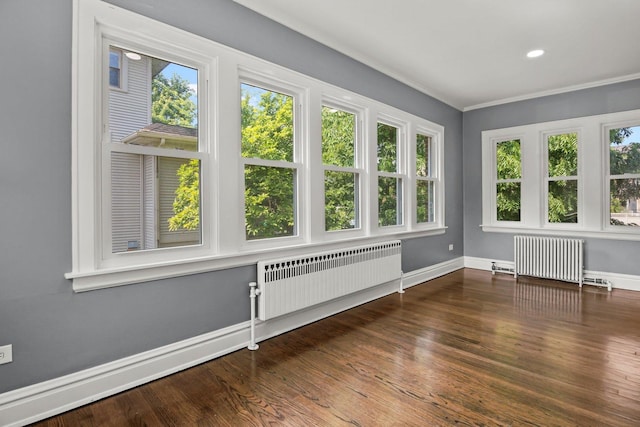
171	129
163	135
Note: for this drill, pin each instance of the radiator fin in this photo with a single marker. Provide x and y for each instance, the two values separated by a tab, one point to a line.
294	283
549	257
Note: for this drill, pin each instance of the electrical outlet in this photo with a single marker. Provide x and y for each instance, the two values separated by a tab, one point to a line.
451	247
6	354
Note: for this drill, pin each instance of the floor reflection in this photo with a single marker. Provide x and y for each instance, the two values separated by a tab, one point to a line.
548	300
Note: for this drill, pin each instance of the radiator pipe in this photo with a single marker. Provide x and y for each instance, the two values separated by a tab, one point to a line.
495	268
598	281
401	290
253	294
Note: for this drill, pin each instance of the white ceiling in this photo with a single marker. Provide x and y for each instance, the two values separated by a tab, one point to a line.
472	53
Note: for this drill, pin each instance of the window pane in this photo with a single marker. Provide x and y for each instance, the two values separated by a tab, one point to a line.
508	160
625	198
508	201
389	201
114	68
563	154
563	201
423	155
155	202
624	150
269	198
387	148
267	124
341	200
171	119
338	137
424	201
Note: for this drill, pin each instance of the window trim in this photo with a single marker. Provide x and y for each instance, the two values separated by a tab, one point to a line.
221	69
593	186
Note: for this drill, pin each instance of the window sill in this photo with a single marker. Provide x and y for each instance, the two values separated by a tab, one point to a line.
574	232
111	277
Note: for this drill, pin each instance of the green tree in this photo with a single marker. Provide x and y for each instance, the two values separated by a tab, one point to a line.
389	189
623	159
171	104
340	188
186	205
509	166
563	193
267	133
171	101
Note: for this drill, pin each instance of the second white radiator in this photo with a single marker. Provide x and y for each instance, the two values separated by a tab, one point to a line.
549	257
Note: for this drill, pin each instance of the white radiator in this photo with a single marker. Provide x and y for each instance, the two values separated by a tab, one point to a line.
290	284
549	257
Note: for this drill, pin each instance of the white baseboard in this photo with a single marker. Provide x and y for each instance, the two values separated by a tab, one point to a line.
39	401
618	281
429	273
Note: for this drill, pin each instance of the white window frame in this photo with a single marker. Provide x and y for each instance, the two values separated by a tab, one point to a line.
221	70
268	83
606	208
593	186
402	148
434	176
123	71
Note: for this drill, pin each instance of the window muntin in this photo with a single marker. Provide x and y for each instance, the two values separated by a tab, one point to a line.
508	180
341	175
562	178
425	179
624	176
153	191
268	150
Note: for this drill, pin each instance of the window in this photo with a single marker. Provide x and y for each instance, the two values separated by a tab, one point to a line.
270	174
151	175
562	178
624	176
115	68
189	156
390	181
341	175
508	180
425	179
569	177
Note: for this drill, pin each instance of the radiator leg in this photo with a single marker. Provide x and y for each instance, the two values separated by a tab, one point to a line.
253	294
401	290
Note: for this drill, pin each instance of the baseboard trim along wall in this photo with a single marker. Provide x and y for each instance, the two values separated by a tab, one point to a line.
618	281
39	401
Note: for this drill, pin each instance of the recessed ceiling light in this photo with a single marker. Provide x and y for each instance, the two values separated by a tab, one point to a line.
133	55
535	53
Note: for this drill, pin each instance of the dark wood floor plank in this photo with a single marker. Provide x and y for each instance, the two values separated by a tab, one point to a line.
468	348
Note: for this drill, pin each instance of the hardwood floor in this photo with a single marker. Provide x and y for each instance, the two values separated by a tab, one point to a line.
465	349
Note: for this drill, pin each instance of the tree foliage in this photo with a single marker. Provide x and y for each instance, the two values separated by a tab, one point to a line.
389	188
508	166
186	205
171	101
171	104
267	133
563	193
340	188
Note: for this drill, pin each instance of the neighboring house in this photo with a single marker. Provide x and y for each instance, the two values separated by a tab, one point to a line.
143	186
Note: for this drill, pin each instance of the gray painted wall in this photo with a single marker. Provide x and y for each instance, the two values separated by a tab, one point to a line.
55	332
614	256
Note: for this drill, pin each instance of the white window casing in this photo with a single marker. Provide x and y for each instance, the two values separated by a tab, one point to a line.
97	26
592	177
